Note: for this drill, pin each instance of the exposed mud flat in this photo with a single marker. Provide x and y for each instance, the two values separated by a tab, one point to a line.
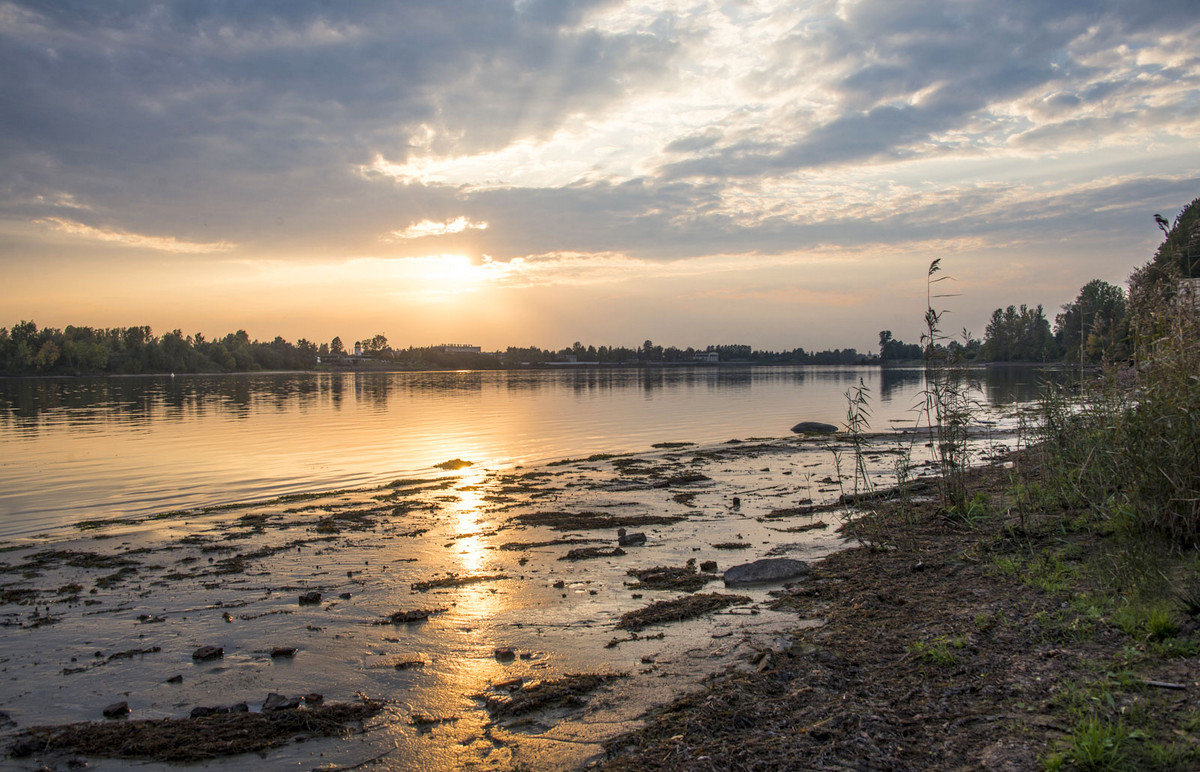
459	575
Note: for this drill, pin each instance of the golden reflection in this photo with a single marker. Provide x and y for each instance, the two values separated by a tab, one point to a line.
472	547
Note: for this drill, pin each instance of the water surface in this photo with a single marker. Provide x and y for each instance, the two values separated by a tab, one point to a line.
73	449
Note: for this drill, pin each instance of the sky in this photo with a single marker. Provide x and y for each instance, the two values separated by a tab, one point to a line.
778	174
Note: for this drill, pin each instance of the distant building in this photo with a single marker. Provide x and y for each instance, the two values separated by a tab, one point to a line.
357	349
708	357
459	348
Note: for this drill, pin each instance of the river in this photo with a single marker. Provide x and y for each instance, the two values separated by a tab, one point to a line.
87	448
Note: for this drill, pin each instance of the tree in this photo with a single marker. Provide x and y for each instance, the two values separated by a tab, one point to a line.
1095	322
1019	335
376	345
891	350
336	347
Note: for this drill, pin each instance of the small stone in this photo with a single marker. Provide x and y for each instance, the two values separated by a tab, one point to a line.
279	702
200	711
630	539
344	595
27	747
313	698
505	654
208	652
310	598
559	584
116	710
283	651
406	664
175	679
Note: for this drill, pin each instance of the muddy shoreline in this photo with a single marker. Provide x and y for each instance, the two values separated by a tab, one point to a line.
444	597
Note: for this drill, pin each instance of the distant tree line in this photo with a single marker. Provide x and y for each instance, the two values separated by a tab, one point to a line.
1095	327
26	349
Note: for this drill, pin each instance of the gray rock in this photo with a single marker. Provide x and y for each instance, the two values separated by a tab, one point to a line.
116	710
765	571
283	651
279	702
814	427
208	652
630	539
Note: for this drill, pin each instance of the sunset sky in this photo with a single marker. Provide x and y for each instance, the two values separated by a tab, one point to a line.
544	171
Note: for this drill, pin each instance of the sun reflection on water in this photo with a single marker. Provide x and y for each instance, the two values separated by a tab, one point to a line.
483	601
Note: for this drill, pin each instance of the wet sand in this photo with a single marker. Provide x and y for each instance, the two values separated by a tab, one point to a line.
113	611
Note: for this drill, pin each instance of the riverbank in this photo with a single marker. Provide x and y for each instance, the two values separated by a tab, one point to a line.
1014	640
491	618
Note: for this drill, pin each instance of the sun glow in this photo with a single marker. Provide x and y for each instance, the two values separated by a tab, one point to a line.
445	276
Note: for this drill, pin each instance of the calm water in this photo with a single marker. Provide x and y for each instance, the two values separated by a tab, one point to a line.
73	449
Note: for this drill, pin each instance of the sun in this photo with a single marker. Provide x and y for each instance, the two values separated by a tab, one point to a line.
437	276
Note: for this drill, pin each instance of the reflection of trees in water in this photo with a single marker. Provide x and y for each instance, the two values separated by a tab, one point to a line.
28	403
892	379
1005	384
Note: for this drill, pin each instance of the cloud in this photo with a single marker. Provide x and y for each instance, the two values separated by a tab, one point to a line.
134	240
427	228
598	139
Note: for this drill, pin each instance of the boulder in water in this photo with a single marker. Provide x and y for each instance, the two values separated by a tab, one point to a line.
814	427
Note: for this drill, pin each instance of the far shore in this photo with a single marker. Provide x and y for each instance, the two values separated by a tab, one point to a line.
549	367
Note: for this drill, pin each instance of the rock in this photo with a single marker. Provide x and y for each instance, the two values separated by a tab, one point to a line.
560	584
116	710
279	702
765	571
310	598
406	664
313	698
505	654
283	651
208	652
814	427
344	595
175	679
708	566
630	539
407	617
27	746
